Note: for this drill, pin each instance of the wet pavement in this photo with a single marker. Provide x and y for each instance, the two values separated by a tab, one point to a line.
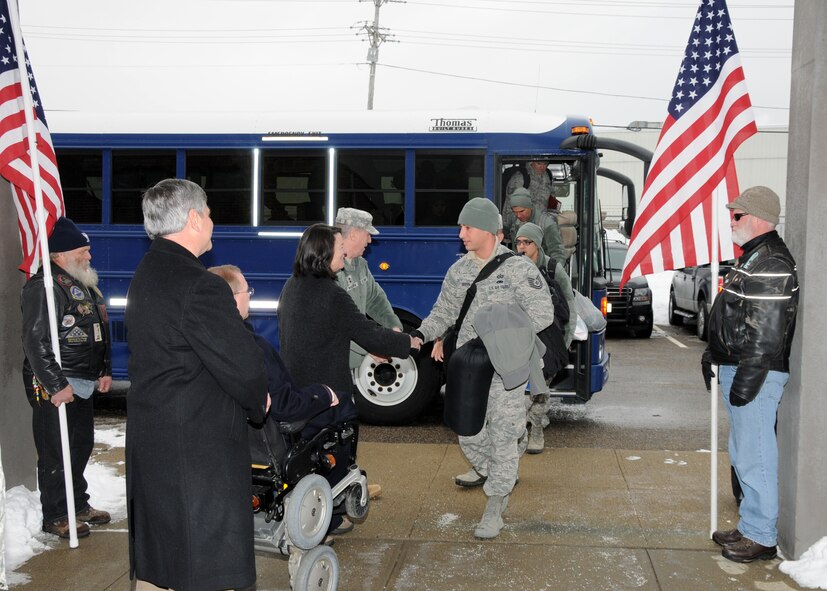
618	500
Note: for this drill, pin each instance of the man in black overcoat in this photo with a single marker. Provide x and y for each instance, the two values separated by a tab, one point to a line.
197	376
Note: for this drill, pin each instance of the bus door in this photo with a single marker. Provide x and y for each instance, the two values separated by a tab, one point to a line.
570	181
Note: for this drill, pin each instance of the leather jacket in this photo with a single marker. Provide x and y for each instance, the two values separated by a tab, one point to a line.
82	328
752	321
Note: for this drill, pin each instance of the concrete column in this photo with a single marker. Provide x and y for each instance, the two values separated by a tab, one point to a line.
802	419
16	440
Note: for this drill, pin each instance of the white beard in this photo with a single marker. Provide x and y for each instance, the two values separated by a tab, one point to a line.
87	276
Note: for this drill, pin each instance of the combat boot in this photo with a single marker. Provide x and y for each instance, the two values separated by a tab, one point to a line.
492	521
470	479
536	442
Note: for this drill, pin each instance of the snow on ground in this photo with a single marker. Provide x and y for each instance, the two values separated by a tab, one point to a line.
24	517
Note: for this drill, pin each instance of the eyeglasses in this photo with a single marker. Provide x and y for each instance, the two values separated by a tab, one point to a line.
524	242
737	216
249	292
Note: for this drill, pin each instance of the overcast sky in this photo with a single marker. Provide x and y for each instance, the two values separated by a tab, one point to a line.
614	61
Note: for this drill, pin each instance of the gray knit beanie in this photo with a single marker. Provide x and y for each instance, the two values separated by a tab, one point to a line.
521	198
531	231
480	213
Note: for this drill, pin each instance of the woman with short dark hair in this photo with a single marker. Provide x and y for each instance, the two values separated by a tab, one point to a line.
318	319
317	250
317	322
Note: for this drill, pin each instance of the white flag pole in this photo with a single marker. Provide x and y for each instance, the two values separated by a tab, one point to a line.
713	401
40	214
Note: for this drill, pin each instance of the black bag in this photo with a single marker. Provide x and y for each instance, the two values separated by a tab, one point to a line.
466	388
558	298
449	339
556	356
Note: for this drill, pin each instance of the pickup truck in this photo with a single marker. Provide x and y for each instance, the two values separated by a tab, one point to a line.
689	296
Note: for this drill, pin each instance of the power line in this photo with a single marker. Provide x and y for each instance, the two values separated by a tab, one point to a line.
566	13
555	88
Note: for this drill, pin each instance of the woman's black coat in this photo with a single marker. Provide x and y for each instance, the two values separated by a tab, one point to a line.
317	321
197	375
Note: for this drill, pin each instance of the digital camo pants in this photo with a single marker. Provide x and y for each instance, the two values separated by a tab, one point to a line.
494	450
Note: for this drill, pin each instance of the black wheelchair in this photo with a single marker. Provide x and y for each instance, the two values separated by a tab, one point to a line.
299	484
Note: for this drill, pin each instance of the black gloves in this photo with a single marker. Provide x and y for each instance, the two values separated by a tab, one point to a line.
736	400
706	370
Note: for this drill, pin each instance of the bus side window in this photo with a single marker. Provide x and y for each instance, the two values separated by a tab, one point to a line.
81	177
133	172
293	186
444	183
226	178
369	181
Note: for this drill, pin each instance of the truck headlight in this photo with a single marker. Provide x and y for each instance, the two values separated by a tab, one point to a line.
642	295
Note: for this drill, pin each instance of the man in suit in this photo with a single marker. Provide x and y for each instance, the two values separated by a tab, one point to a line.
197	376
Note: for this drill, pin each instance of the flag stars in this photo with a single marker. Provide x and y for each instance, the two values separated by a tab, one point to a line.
679	107
696	42
707	82
693	82
729	38
708	55
707	68
727	50
694	68
693	95
709	28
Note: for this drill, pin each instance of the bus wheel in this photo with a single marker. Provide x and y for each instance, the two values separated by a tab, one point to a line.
395	392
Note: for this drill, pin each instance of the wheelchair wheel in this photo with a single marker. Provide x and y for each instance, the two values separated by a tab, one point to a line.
353	504
318	570
308	510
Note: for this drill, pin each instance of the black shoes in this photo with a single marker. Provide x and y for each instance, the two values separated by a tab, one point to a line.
726	537
748	551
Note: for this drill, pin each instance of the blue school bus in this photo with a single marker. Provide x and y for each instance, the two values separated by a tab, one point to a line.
270	175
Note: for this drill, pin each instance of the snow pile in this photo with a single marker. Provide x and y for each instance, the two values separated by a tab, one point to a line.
811	570
24	516
23	520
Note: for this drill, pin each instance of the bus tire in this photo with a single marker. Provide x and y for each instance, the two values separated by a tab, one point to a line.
395	392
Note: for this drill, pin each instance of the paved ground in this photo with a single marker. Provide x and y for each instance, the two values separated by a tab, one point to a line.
580	518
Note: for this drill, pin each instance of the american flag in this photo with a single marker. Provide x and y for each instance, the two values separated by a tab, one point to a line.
15	160
693	169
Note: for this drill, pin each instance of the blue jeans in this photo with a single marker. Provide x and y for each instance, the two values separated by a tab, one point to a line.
753	451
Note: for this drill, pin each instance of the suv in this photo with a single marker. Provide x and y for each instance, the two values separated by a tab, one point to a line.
689	297
632	307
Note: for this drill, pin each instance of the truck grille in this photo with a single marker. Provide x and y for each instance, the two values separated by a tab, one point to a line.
619	300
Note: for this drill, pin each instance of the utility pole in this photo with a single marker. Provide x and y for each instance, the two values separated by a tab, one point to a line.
376	36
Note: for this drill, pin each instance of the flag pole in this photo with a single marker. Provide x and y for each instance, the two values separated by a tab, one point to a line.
713	393
48	285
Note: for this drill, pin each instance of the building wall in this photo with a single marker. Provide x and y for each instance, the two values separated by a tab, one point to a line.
802	418
16	441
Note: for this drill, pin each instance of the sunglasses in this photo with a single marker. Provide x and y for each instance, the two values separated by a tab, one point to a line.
249	292
737	216
523	242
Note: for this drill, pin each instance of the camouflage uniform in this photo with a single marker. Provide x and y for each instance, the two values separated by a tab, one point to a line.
357	280
494	450
552	240
538	406
539	185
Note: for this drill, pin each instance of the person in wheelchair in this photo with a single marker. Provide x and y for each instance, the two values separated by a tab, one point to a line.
301	420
